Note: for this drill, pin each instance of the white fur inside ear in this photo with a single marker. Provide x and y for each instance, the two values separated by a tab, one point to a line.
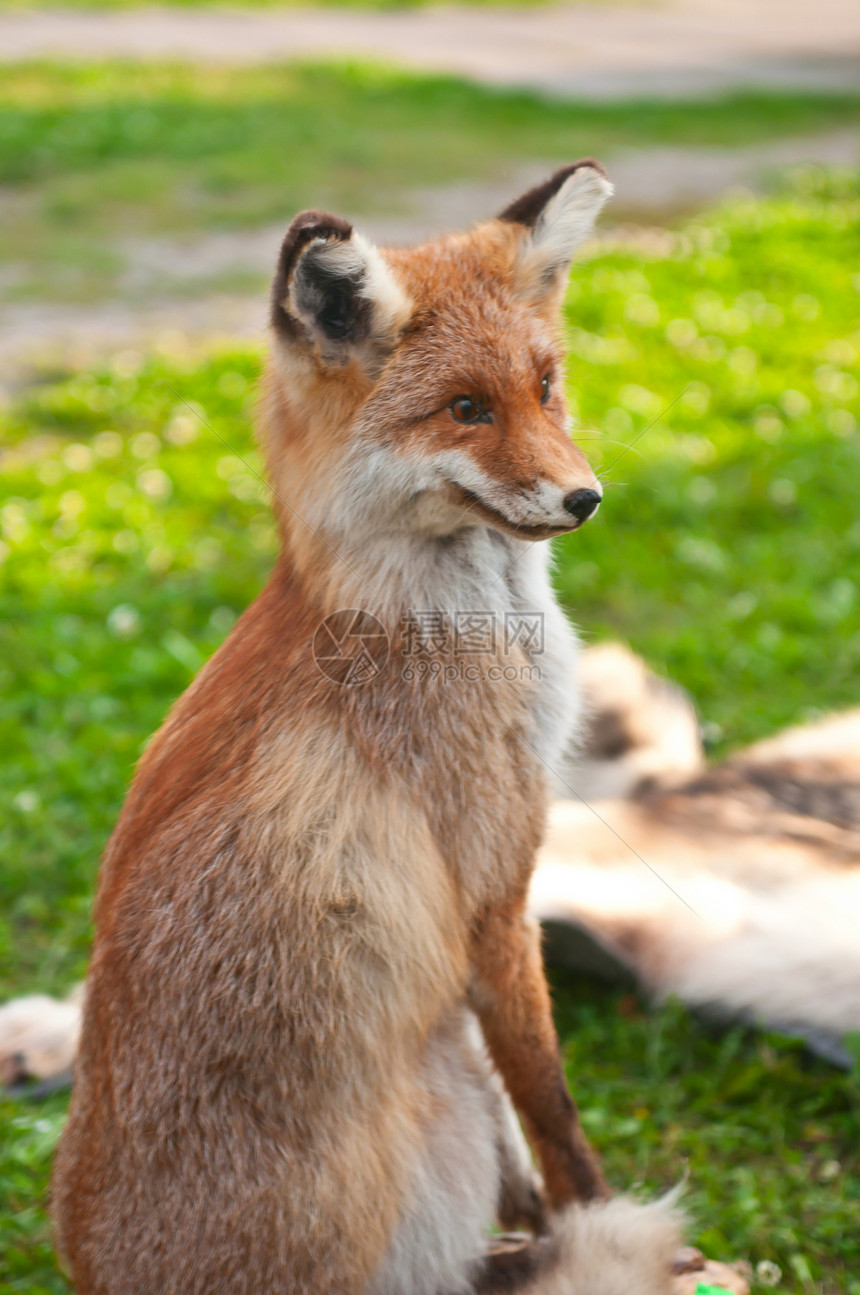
391	306
615	1247
565	223
357	260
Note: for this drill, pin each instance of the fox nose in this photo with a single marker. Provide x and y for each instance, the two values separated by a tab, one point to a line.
582	504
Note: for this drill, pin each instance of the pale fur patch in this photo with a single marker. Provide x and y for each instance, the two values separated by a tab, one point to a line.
563	225
540	505
615	1247
766	936
832	739
793	959
357	259
391	305
486	572
455	1182
382	489
39	1035
626	702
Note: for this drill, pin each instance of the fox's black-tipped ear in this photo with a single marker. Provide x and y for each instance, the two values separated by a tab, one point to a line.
556	217
333	292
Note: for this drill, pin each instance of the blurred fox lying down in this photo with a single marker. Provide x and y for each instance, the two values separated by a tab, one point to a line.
764	847
749	905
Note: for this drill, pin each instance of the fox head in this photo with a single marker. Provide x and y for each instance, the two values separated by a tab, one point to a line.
420	390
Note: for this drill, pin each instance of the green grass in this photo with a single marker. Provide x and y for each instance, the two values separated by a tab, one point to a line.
726	551
91	156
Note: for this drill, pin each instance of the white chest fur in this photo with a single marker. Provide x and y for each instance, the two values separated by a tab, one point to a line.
480	572
556	699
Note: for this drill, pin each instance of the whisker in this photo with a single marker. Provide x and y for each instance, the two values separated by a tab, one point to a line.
628	449
604	440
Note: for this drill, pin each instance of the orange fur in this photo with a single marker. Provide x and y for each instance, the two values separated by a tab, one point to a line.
312	888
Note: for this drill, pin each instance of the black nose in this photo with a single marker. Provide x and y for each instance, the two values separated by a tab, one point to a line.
582	504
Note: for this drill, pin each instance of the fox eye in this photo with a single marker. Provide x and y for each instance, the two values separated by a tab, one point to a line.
466	410
544	389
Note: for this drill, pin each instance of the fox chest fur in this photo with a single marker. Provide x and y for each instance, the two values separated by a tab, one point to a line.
474	708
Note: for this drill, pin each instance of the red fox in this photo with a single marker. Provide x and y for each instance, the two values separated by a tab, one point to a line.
314	987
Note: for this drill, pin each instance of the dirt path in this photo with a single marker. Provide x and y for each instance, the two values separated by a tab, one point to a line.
650	184
679	47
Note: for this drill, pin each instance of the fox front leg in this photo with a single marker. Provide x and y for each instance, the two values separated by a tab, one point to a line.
511	998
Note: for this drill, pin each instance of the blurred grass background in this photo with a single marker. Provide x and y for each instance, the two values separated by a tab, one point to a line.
97	159
713	370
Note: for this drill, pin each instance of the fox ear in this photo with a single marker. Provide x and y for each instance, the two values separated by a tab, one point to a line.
334	293
556	217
